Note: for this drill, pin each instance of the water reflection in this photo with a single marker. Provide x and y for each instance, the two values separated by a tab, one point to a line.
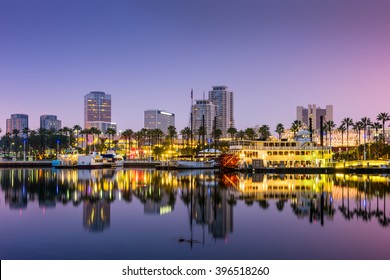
210	198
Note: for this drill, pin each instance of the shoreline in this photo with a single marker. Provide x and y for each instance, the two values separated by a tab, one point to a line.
263	170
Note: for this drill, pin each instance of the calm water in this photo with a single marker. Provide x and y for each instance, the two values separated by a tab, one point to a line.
148	214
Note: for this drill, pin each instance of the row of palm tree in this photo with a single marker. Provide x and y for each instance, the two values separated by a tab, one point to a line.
69	137
364	124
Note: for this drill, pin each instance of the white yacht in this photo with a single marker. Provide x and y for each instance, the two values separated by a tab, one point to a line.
68	159
193	164
112	159
91	161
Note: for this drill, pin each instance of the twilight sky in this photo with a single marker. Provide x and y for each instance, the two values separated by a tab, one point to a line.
273	54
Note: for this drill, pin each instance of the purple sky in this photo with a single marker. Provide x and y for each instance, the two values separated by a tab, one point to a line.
273	54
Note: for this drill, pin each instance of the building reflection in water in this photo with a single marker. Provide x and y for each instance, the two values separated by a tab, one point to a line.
364	197
208	202
209	197
96	215
155	190
310	196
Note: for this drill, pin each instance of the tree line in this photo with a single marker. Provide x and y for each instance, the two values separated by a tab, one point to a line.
39	141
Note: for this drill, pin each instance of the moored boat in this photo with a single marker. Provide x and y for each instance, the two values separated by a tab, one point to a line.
193	164
92	161
111	159
68	159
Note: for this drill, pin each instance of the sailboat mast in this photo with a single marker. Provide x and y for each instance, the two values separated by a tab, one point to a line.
192	97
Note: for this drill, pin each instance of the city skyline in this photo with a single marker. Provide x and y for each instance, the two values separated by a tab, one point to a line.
274	55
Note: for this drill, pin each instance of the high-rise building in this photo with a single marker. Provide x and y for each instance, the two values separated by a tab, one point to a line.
223	99
17	121
50	122
304	114
97	111
158	119
203	110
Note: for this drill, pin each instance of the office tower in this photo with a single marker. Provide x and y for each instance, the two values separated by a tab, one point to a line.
303	114
223	99
17	121
158	119
203	109
97	111
49	122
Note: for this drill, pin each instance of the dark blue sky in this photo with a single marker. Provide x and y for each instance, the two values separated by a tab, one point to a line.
274	55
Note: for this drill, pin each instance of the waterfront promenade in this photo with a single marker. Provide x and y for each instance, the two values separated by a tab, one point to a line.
48	163
279	170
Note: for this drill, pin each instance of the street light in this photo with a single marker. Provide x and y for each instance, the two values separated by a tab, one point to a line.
24	149
58	145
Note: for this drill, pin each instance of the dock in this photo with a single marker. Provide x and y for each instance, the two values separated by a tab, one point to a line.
141	164
316	170
24	164
158	165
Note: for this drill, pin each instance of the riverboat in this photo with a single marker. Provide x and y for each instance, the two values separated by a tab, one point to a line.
263	154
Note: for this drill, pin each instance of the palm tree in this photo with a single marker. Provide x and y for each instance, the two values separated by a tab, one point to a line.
145	133
8	141
128	134
201	132
241	134
42	136
15	133
296	126
158	134
141	138
358	127
111	132
93	131
232	131
217	133
138	137
77	128
376	126
279	130
250	133
67	130
366	122
264	131
342	129
329	126
102	145
347	122
384	117
172	133
186	134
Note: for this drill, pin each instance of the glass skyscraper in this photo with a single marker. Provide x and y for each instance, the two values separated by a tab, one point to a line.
223	99
158	119
50	122
17	121
97	111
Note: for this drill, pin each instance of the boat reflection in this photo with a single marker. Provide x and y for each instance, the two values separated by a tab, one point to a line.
209	197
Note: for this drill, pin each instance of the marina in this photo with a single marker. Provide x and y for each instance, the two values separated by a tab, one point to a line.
160	166
192	214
